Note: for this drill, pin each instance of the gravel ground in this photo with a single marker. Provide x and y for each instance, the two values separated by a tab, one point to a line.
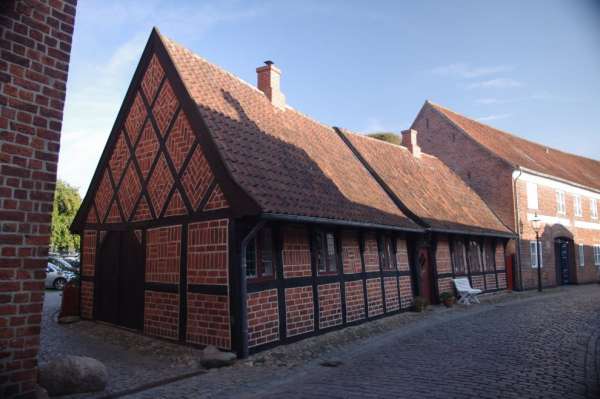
134	361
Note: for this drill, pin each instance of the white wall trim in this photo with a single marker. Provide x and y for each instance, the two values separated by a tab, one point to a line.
551	219
555	184
587	225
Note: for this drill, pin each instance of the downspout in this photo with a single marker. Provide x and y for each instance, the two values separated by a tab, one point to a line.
244	287
518	228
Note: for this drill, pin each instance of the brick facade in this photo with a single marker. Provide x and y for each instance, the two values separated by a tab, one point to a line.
296	253
374	297
208	252
163	253
263	318
330	305
35	46
440	136
208	320
299	310
161	314
355	301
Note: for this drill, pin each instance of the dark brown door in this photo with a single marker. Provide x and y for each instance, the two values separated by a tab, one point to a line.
424	270
120	280
563	260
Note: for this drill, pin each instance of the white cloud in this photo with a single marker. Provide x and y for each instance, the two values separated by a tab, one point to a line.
493	117
497	83
466	71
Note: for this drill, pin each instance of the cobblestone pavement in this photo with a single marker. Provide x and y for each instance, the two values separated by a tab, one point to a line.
132	359
517	346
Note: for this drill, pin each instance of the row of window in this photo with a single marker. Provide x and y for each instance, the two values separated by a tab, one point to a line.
259	254
580	250
532	202
480	259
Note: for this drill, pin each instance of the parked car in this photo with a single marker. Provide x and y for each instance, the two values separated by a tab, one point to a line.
56	277
63	264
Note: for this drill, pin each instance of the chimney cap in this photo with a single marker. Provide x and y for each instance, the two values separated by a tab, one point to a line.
269	62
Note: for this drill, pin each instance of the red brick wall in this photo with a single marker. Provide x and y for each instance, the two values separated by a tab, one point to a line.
208	320
208	252
299	310
88	257
490	281
444	265
161	314
35	46
87	299
374	297
216	200
296	252
478	282
163	253
263	317
355	301
351	252
439	137
371	254
406	292
392	302
330	305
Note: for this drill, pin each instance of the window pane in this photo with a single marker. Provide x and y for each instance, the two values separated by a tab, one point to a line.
581	255
251	259
532	196
458	257
318	246
266	252
331	259
389	253
474	256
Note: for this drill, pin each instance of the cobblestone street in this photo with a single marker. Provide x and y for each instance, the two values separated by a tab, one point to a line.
537	346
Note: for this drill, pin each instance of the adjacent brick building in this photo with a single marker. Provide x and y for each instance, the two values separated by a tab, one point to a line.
519	179
234	220
35	45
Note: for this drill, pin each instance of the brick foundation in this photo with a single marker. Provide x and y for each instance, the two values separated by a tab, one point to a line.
208	320
263	317
330	305
355	301
299	310
161	314
374	297
392	302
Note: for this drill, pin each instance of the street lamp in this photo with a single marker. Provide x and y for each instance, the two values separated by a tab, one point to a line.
536	225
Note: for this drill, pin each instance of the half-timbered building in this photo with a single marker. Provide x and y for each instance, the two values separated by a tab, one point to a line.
219	215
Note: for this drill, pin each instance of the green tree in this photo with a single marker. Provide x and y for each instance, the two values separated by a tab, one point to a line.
385	136
66	204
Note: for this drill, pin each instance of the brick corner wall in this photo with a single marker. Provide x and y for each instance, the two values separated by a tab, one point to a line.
35	47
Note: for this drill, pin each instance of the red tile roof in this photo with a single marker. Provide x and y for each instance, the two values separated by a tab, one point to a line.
288	163
427	187
527	154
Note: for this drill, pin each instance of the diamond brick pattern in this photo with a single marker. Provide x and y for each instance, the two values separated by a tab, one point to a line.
152	78
164	107
146	149
91	216
119	158
114	216
176	206
197	177
216	200
135	118
180	140
159	184
129	190
103	196
142	211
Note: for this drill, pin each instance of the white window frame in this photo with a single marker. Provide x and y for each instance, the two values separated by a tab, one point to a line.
532	195
577	205
533	254
560	202
594	208
597	254
581	255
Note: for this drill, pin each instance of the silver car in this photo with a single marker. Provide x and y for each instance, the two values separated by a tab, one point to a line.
56	278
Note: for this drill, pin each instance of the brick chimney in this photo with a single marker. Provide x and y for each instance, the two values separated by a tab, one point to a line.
268	77
409	140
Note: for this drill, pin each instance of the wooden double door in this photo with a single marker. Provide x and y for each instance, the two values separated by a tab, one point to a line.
563	253
119	282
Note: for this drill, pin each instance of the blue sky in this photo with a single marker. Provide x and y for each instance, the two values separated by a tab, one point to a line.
528	67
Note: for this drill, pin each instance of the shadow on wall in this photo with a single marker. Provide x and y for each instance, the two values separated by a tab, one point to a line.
283	176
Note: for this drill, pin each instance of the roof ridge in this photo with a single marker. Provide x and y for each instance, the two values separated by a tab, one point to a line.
367	137
435	105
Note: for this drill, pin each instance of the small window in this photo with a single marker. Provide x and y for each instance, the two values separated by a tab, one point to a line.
489	256
577	205
594	208
597	255
532	195
581	255
259	255
475	257
458	257
534	254
325	252
560	202
388	254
